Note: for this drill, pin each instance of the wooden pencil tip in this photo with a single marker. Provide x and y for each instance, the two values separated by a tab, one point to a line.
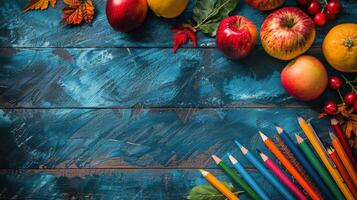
299	139
279	129
264	157
202	171
264	137
241	147
334	121
332	135
216	159
232	159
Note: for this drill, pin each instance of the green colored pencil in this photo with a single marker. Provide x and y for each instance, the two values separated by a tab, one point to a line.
318	166
238	180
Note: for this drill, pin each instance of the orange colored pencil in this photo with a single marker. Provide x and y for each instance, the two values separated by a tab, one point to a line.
292	170
344	158
218	185
343	172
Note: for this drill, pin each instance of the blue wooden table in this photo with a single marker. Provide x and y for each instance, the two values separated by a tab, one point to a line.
90	113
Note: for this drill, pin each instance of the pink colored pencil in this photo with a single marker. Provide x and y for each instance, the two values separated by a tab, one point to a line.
282	177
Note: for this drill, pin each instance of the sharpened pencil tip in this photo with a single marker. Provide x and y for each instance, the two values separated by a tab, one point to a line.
334	121
264	157
264	137
332	135
299	139
232	159
216	159
279	129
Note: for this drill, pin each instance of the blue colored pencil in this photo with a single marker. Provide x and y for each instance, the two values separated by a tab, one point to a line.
248	178
261	168
304	162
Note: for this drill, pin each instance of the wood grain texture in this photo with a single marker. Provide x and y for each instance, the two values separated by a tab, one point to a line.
132	77
136	138
17	29
109	184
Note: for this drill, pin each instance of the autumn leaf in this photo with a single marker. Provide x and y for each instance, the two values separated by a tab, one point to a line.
183	32
78	10
39	5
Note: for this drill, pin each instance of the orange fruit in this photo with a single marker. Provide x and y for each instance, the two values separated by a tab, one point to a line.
340	47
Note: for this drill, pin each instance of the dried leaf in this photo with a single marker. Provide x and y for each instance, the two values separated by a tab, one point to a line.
39	5
78	10
183	32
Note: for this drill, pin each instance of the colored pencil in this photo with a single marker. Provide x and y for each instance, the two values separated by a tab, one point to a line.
334	156
311	135
291	169
218	185
238	180
304	162
282	177
342	138
343	156
268	176
248	178
319	167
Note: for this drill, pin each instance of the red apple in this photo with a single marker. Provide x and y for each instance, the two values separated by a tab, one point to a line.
304	78
126	15
236	36
265	4
287	33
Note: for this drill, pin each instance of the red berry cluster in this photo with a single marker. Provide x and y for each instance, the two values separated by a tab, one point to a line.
321	12
349	99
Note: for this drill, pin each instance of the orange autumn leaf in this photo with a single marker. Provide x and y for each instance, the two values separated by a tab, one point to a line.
78	10
39	5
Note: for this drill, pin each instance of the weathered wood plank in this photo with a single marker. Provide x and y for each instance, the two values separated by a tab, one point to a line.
43	28
136	138
116	77
109	184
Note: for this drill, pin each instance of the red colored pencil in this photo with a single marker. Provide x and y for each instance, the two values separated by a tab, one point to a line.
343	172
282	177
342	138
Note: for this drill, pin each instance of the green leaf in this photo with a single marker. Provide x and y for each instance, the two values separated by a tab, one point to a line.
208	192
208	13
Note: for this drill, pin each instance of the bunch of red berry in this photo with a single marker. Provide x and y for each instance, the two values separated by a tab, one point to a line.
321	12
349	99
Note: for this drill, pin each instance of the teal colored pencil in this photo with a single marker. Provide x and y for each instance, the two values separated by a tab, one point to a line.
264	171
248	178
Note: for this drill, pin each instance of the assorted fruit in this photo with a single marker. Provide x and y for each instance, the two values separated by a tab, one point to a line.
321	12
286	34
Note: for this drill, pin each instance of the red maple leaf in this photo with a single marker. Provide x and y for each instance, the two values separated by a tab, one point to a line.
183	32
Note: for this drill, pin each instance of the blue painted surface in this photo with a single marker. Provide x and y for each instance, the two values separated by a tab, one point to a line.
155	77
90	113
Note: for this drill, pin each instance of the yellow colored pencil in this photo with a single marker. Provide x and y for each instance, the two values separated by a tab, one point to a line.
344	158
309	132
218	185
